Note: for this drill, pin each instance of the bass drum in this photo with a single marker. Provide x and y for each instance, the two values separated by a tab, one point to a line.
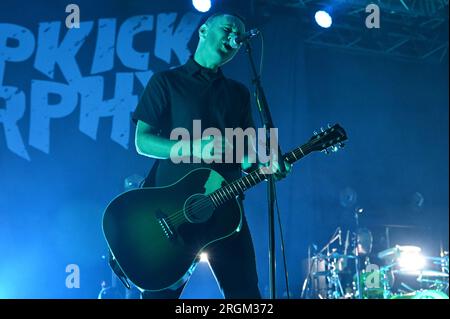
422	294
374	285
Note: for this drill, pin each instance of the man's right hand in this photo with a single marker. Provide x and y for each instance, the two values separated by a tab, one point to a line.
212	149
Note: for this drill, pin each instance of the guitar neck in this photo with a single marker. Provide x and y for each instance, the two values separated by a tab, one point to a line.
240	185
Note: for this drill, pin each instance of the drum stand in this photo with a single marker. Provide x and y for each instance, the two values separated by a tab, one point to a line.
335	290
385	281
357	270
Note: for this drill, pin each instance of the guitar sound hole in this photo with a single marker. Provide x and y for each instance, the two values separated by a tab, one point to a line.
198	208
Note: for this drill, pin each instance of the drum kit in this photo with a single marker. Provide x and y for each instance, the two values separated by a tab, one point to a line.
401	272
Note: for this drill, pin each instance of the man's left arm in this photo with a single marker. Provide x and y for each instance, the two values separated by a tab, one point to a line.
250	163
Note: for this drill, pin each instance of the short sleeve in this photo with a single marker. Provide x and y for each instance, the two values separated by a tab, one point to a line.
154	102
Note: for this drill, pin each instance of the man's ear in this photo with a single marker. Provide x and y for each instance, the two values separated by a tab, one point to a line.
202	31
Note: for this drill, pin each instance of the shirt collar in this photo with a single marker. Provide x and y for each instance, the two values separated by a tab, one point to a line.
194	68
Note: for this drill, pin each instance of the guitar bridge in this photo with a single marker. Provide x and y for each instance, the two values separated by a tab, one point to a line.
166	228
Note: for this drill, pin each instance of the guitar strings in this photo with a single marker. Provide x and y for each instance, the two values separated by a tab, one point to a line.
296	153
177	217
203	203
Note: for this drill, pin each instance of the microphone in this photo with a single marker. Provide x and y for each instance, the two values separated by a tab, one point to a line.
235	41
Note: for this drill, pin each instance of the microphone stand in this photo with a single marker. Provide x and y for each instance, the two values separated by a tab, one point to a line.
264	111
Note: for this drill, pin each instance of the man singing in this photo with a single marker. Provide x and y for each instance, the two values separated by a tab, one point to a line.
198	90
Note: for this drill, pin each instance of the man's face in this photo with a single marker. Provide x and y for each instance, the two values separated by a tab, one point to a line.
216	37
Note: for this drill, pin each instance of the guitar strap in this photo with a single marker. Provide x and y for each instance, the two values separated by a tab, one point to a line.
118	271
150	179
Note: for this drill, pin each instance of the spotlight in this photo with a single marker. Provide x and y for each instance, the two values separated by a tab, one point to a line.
204	257
411	260
202	5
323	19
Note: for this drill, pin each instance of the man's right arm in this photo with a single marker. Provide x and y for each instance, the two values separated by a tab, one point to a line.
148	143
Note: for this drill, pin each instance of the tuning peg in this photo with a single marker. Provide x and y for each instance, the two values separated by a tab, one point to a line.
341	145
315	133
326	151
321	129
329	125
334	148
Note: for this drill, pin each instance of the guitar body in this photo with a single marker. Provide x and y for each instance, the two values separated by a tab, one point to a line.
156	233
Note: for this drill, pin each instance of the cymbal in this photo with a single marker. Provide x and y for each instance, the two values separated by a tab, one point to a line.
395	251
423	273
338	256
439	260
328	273
321	273
335	256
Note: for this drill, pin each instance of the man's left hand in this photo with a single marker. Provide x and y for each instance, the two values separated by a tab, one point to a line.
279	174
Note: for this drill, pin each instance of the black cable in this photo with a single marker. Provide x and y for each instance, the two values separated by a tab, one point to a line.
260	72
307	280
262	56
275	195
286	275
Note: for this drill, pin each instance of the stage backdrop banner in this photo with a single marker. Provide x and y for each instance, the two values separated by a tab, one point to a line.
70	77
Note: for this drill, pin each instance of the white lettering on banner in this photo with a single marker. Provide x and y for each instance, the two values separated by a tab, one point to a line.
55	99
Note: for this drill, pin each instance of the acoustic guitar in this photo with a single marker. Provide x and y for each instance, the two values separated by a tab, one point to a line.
156	234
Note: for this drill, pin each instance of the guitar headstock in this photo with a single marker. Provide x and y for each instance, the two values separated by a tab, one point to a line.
328	140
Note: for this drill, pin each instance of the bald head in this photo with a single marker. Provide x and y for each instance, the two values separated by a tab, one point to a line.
213	48
217	16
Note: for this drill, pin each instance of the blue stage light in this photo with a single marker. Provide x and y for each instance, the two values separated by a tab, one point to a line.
323	19
202	5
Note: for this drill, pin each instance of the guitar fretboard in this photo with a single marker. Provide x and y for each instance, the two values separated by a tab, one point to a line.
240	185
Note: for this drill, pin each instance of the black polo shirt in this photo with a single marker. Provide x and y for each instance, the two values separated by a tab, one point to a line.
176	97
